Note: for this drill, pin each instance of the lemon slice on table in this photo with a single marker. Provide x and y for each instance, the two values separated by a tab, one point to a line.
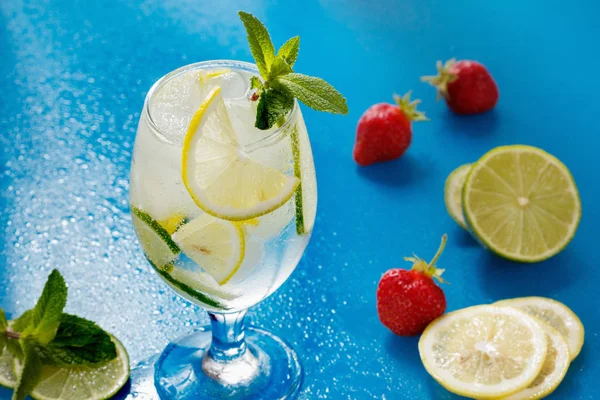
555	314
553	370
91	382
221	179
216	245
453	193
522	203
155	240
484	351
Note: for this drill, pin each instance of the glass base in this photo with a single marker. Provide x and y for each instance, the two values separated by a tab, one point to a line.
269	370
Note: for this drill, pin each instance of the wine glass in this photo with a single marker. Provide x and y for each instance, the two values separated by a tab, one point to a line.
223	213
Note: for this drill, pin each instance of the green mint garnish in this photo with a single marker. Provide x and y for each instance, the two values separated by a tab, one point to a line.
45	317
31	370
78	342
45	335
278	85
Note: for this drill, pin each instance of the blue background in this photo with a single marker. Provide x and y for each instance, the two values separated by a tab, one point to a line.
74	76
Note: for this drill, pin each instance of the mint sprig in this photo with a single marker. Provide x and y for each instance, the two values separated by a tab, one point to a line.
278	84
45	335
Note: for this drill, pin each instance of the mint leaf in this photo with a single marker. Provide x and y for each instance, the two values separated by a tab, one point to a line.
24	322
31	371
78	342
3	340
278	67
3	322
255	83
48	309
272	105
289	50
314	92
14	348
260	42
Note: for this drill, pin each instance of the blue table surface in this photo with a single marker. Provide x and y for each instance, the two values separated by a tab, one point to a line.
74	76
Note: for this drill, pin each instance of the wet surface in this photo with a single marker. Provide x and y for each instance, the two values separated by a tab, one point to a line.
74	76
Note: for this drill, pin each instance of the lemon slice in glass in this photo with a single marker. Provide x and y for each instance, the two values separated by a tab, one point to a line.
555	314
522	203
553	370
223	180
453	193
484	351
216	245
91	382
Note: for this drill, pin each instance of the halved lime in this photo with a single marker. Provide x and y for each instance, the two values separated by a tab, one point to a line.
453	193
222	179
216	245
522	203
155	240
97	382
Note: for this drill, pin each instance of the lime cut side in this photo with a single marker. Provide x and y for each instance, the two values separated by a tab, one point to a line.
522	203
555	314
223	180
453	193
484	351
97	382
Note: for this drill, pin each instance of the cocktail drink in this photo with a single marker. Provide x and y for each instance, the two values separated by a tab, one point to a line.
223	211
226	226
223	200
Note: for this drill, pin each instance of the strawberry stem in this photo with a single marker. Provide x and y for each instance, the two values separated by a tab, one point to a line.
439	252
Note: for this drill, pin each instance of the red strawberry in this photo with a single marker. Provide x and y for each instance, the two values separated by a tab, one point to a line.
384	131
466	85
408	300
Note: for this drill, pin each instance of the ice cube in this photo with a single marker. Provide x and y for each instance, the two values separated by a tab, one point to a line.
234	85
174	104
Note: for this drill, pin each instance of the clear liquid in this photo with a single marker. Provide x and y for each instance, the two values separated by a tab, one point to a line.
273	244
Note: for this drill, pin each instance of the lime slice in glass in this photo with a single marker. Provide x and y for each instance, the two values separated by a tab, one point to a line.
155	240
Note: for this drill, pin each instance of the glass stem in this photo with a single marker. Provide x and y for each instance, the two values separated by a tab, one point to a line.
228	339
228	359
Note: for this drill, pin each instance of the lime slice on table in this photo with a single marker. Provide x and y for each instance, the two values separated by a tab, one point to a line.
216	245
522	203
555	314
221	179
553	370
484	351
453	193
97	382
